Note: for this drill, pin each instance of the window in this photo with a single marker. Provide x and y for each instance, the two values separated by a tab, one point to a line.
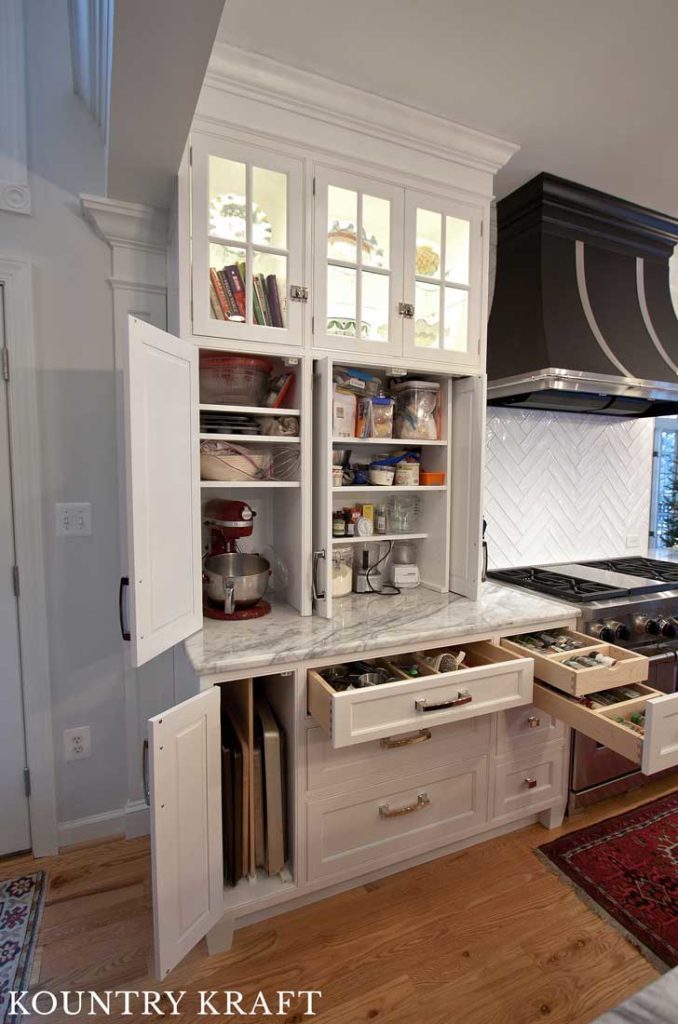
664	514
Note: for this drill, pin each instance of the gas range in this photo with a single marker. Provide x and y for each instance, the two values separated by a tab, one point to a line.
632	602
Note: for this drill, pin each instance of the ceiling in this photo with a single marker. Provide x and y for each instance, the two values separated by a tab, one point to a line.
585	87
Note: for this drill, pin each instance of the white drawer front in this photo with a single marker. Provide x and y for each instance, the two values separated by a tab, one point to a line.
524	727
348	833
392	757
496	680
533	783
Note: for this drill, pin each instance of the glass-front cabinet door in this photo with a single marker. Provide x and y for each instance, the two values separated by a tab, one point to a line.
358	248
247	242
443	274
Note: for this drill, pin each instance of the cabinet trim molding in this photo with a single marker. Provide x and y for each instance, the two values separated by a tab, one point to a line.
260	78
15	195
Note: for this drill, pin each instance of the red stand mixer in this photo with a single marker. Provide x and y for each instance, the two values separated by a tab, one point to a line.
234	583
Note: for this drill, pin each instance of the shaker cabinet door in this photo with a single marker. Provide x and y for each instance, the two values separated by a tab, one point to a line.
186	826
160	600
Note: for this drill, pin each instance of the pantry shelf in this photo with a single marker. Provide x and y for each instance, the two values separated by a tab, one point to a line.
258	438
375	537
378	442
250	410
391	489
228	485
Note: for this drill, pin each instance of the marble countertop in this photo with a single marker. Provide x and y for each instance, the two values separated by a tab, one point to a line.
366	622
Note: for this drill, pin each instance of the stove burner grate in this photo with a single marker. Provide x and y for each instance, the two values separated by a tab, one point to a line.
569	588
649	568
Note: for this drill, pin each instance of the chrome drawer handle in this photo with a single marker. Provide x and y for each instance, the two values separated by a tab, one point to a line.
531	783
406	741
533	722
397	812
463	698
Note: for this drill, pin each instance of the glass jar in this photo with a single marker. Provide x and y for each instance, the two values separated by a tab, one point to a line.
342	571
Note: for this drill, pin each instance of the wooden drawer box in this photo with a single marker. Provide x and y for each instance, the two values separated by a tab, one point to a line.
629	667
493	680
394	757
655	750
523	728
349	833
534	782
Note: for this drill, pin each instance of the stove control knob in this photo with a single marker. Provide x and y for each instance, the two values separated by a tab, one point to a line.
618	630
668	628
602	631
644	624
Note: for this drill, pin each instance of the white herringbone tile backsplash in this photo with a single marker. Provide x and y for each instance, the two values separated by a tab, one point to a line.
562	487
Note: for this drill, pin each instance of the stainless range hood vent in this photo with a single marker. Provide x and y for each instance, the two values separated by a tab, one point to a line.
582	318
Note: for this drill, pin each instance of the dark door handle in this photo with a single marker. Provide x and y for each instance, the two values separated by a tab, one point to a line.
317	555
144	772
124	582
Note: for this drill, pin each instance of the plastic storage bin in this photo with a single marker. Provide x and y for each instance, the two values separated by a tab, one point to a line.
233	380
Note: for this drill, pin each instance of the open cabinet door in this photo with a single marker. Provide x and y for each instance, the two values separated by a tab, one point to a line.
468	458
163	492
322	487
186	826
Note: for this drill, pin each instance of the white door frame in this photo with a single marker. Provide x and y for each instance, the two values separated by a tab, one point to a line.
16	279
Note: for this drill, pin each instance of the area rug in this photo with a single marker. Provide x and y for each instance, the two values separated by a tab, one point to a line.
626	869
21	902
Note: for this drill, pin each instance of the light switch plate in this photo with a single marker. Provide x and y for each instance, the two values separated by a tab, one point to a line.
73	519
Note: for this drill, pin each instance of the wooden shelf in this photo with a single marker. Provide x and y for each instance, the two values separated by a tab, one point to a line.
392	489
400	442
257	438
227	485
250	410
375	537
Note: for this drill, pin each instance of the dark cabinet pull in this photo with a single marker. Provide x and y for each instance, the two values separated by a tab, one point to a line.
317	555
144	772
124	582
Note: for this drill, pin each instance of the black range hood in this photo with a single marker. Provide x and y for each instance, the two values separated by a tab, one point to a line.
582	318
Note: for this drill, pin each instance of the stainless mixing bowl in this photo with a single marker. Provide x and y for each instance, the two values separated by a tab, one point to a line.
236	580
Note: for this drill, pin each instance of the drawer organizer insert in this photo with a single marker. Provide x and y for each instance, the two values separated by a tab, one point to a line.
641	726
559	667
379	697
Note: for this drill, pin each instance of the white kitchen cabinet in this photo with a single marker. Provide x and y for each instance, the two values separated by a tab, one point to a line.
247	235
161	591
397	273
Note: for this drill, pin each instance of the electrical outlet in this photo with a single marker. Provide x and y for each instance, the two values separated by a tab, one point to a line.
77	743
73	519
632	540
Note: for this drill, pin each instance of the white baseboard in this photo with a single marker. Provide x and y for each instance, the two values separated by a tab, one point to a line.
137	819
96	826
130	821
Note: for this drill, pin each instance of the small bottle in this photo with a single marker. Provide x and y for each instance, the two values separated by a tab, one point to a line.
338	523
349	522
380	525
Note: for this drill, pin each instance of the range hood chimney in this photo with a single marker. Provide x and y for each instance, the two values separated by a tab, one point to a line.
582	318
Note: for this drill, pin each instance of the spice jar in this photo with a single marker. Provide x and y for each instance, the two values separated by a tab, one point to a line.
338	523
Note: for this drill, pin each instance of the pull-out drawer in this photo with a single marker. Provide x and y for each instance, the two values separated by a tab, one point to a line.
654	745
351	832
492	679
629	667
532	783
525	728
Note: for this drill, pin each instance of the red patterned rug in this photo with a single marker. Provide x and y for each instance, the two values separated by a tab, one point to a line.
627	869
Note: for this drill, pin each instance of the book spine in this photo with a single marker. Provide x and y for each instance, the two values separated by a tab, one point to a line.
264	299
237	287
274	300
233	308
223	302
257	308
217	312
259	292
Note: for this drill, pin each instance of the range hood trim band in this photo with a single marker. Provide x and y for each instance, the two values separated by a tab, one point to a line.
557	379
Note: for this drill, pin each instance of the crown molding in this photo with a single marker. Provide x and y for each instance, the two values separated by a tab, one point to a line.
15	195
254	77
133	225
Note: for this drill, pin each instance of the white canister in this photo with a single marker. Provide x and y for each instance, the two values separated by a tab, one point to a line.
407	474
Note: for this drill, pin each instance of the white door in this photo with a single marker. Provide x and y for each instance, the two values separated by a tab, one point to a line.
163	493
15	829
186	832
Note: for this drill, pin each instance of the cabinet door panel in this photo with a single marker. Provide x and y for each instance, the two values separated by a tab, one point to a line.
443	280
357	287
163	494
247	242
186	827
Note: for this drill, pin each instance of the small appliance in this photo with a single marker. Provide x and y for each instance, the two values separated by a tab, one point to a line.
234	583
404	568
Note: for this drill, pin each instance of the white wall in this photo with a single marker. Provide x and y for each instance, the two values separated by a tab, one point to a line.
74	338
561	486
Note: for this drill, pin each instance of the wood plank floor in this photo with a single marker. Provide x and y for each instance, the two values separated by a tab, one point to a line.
484	936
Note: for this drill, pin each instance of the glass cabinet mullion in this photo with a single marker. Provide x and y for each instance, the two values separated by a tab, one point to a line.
359	269
249	287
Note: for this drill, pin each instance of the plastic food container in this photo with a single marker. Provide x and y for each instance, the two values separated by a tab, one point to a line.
407	473
342	571
382	476
416	410
430	478
375	417
233	380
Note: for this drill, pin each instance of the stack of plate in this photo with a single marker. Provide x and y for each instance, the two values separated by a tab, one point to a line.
228	423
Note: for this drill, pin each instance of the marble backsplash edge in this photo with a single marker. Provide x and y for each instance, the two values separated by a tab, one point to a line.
560	487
